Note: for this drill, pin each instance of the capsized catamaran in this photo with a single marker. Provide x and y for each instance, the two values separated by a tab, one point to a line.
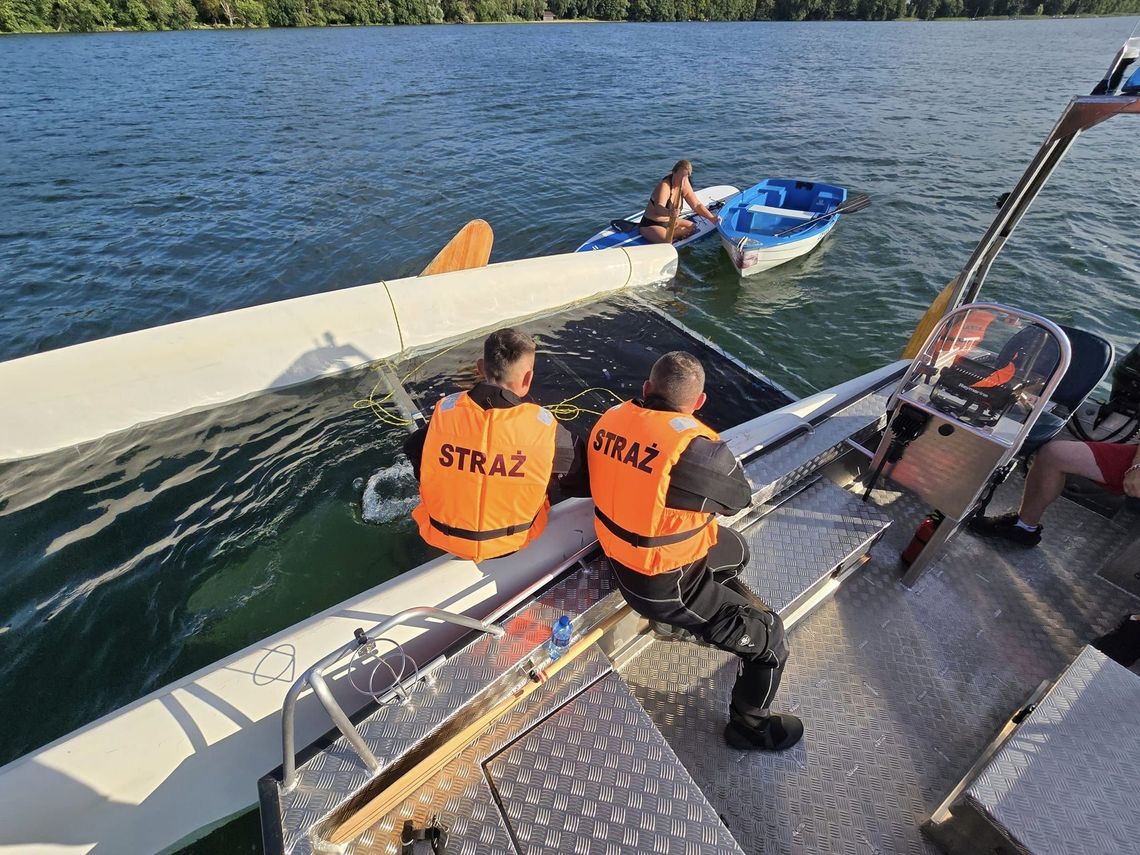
616	746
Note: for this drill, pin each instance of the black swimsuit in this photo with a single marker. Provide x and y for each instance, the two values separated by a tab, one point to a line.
647	222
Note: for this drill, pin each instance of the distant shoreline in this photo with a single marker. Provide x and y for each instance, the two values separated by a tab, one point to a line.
221	26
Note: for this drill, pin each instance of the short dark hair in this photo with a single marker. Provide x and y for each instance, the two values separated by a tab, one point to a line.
502	351
678	377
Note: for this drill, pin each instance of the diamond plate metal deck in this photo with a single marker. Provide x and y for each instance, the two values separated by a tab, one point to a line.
334	774
899	689
805	539
779	469
589	585
598	777
1065	781
460	795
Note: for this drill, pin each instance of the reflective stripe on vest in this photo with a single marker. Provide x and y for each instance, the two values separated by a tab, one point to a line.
484	476
632	452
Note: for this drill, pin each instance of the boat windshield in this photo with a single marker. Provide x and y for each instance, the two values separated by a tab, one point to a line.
986	367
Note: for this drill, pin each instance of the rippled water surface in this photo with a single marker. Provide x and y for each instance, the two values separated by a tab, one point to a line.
147	178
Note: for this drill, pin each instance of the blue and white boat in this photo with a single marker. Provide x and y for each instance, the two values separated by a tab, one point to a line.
751	223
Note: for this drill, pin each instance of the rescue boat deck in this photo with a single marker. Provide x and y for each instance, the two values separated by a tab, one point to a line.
900	690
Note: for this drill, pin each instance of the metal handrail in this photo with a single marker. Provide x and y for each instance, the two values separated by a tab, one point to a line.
314	677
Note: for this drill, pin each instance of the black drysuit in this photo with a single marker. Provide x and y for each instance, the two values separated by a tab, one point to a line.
705	597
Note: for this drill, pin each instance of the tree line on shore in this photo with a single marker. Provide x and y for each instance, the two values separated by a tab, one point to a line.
95	15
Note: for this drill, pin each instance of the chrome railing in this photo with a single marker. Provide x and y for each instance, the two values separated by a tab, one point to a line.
314	678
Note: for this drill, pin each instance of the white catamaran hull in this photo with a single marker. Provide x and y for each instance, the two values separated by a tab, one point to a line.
754	259
140	377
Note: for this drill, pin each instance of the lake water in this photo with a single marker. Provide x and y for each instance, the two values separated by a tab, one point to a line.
148	178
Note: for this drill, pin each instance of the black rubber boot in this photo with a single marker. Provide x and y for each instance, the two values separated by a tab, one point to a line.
774	732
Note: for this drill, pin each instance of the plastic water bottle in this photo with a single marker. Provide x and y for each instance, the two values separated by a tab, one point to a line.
559	637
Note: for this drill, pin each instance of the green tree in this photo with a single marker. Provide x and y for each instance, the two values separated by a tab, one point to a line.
611	10
20	15
285	13
458	11
416	12
79	16
790	10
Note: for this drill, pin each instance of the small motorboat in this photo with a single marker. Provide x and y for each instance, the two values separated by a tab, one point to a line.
777	220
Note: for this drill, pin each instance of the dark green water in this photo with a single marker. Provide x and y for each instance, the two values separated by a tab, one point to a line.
146	178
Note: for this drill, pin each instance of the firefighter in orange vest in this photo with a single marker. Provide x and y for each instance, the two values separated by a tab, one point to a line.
659	477
486	460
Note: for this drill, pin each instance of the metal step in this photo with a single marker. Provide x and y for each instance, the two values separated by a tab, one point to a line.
1063	779
805	546
597	776
777	469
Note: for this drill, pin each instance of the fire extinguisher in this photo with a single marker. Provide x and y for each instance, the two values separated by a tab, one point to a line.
922	536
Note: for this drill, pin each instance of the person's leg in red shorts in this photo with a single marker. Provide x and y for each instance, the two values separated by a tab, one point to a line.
1103	462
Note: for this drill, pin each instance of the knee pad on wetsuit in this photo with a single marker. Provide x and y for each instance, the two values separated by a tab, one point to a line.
777	639
756	635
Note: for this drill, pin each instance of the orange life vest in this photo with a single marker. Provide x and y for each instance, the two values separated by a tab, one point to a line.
965	335
631	456
483	477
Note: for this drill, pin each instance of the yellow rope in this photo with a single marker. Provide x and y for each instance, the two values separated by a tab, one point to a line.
385	414
565	410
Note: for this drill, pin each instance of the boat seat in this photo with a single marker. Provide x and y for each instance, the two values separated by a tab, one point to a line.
1091	358
773	197
1060	776
780	212
823	202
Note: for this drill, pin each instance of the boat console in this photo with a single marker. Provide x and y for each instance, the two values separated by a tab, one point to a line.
965	407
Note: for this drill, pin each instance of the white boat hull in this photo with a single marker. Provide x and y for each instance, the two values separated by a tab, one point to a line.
64	397
754	259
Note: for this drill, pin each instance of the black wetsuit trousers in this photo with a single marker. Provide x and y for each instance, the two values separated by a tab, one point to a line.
707	599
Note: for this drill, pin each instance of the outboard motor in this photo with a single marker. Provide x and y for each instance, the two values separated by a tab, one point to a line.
1119	419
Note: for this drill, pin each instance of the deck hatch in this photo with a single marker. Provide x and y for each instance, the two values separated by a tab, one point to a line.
599	770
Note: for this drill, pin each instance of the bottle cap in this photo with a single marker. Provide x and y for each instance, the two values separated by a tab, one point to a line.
564	621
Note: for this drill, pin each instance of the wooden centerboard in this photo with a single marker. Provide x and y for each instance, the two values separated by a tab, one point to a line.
471	247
